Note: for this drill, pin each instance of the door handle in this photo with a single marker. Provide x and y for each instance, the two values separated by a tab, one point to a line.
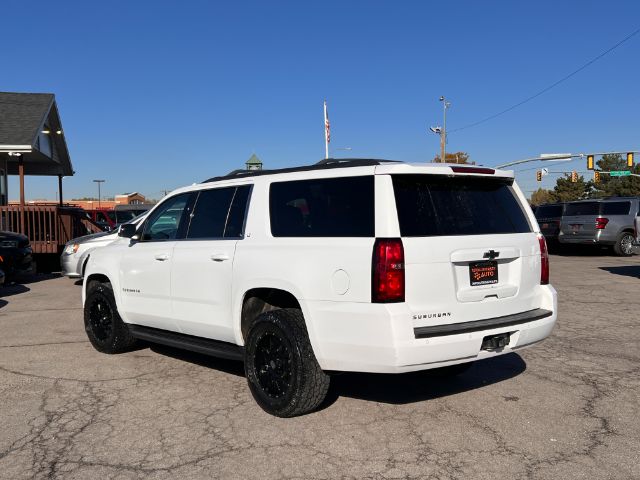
161	257
219	257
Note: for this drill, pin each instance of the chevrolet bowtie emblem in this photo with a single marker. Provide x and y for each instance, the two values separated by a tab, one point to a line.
491	254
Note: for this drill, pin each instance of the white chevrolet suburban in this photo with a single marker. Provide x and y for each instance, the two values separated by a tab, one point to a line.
346	265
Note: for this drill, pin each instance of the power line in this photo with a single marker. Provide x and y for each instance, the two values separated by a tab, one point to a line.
546	89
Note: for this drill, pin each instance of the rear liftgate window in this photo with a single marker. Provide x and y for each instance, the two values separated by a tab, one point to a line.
332	207
434	205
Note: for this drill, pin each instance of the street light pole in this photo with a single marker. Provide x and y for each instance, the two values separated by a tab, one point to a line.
99	193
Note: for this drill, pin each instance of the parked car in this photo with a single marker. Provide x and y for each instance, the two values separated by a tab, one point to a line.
16	254
77	251
125	213
361	265
549	217
104	217
608	221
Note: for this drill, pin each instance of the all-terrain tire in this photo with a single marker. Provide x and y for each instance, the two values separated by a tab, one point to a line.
624	245
105	329
283	374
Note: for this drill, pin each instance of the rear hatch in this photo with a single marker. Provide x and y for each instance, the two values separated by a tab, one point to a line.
579	220
470	249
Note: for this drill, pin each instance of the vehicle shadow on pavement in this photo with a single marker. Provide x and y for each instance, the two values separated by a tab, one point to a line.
19	284
38	277
627	270
580	251
228	366
425	385
11	289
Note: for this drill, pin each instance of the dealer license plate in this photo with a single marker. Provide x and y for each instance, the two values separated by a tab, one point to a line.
483	273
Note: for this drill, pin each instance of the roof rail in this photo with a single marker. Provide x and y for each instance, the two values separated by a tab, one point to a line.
326	163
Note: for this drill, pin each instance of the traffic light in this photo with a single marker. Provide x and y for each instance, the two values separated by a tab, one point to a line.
590	162
596	176
630	159
539	175
574	176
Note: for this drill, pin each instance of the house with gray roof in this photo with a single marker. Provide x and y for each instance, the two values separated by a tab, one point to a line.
32	140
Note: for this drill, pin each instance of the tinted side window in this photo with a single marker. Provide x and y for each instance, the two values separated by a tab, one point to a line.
167	219
219	213
549	211
210	213
433	205
582	208
332	207
237	213
616	208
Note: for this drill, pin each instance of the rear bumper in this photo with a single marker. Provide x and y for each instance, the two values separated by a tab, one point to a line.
601	237
585	240
383	339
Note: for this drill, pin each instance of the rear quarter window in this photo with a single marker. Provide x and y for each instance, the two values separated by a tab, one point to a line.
332	207
434	205
616	208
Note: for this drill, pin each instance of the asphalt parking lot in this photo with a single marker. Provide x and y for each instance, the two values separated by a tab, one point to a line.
567	408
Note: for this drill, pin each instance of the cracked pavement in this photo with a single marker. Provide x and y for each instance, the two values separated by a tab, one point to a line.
566	408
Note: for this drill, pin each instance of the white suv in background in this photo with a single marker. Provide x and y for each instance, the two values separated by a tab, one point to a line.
359	265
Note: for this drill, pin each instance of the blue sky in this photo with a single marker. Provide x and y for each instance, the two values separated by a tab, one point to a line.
158	94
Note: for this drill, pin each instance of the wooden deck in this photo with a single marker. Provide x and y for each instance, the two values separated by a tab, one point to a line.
48	227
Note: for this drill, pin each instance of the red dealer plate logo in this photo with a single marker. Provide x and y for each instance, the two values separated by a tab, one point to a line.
483	273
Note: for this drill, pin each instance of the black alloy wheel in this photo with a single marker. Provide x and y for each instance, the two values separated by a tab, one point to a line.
105	329
101	318
272	363
283	374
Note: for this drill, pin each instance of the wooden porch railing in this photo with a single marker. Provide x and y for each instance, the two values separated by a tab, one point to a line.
48	227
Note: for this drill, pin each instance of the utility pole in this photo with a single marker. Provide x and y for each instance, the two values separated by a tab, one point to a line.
443	133
99	194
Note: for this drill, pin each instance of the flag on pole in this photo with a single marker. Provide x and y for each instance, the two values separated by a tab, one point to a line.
327	131
327	126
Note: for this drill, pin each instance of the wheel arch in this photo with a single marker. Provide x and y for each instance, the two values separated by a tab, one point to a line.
256	301
93	278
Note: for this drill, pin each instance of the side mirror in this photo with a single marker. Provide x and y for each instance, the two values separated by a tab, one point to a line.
128	230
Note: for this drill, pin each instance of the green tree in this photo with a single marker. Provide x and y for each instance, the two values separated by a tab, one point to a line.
567	191
609	186
456	157
542	196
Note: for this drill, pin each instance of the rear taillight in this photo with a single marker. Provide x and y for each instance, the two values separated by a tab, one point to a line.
544	261
387	272
601	223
